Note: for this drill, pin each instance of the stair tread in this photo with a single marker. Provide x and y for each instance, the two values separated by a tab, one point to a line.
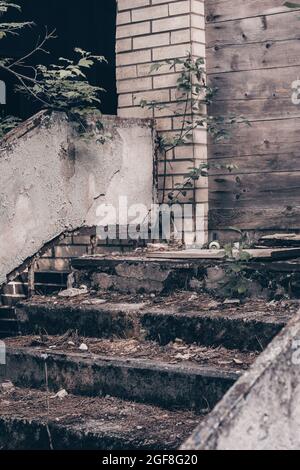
158	377
94	261
190	356
193	318
182	303
123	424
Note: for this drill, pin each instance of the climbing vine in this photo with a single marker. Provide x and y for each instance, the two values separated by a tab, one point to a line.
194	95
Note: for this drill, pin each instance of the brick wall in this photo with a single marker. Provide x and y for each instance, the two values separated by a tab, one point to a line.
54	265
150	31
79	243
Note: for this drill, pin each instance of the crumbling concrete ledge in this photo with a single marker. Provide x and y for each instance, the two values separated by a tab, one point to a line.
51	181
262	410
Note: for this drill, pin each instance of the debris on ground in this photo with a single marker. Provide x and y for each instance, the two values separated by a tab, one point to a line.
6	387
232	302
138	421
176	352
61	394
94	302
281	240
73	292
180	300
154	247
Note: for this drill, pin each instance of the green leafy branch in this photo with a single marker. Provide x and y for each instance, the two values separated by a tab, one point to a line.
10	28
65	87
58	87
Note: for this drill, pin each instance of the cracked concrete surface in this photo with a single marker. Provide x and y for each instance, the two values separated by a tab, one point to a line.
261	411
51	181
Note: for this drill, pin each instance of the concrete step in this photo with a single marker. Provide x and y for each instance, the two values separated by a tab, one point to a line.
11	301
142	274
50	282
176	354
9	324
131	274
247	327
7	313
6	334
83	423
177	376
46	283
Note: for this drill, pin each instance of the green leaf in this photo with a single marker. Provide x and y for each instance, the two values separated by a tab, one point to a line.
291	5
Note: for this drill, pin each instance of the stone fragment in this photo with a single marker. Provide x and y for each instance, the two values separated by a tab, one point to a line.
232	302
215	276
196	285
61	394
69	293
102	281
143	271
7	386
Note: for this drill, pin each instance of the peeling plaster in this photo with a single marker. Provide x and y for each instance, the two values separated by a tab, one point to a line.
51	181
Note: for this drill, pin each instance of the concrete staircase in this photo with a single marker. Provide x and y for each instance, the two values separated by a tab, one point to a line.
46	283
8	322
142	359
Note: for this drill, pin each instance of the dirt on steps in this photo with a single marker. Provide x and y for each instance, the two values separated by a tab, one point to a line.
102	423
178	301
176	352
194	318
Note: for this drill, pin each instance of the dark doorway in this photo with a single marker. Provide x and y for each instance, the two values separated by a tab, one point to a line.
90	25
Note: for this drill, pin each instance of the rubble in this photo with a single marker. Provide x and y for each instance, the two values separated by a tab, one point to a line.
73	292
61	394
6	387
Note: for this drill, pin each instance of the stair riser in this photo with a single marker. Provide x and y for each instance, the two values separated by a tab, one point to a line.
12	301
211	332
89	322
160	276
162	281
9	325
164	385
207	329
20	434
7	313
134	276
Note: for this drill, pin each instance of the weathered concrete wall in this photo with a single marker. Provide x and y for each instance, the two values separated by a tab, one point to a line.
51	181
262	410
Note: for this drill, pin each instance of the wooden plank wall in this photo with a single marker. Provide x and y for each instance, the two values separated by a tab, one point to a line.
253	56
